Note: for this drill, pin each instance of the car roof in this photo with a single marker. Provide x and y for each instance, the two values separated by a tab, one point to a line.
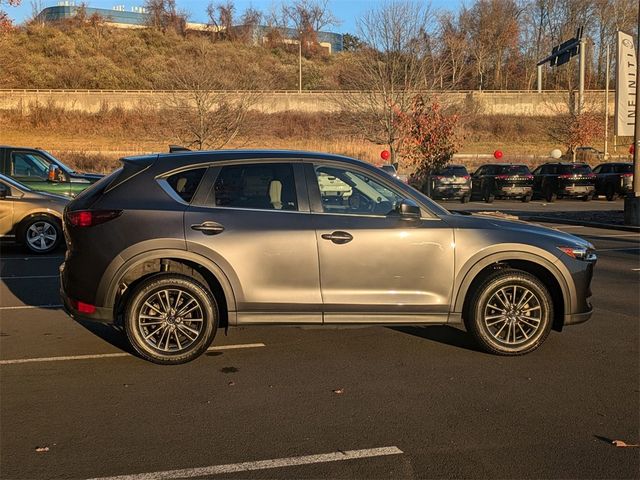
180	159
565	163
503	165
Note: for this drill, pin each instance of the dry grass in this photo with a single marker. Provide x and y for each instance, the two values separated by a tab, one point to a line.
94	142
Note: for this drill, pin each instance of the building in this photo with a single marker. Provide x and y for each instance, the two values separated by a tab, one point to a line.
137	17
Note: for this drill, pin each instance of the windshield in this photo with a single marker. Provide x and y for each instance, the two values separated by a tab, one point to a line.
57	162
513	170
574	169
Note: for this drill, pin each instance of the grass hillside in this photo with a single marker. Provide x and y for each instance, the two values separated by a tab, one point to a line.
99	57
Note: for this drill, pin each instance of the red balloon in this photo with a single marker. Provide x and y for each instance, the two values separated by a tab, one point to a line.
632	148
497	154
384	154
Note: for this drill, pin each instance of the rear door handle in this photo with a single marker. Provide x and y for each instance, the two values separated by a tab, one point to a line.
208	228
338	237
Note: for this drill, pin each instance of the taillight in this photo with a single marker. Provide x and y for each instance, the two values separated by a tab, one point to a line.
591	175
502	177
529	176
627	175
565	176
90	218
466	177
437	177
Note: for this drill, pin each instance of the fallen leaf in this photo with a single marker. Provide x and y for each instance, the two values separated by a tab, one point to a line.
42	449
620	443
338	391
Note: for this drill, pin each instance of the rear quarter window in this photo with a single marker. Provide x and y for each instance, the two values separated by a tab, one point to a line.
186	183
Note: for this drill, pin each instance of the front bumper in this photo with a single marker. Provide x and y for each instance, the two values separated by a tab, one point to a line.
575	318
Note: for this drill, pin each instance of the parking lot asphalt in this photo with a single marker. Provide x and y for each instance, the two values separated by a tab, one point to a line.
274	402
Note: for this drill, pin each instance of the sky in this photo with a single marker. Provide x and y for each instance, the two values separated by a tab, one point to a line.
347	11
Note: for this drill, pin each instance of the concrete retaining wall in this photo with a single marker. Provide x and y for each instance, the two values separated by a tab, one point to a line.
490	103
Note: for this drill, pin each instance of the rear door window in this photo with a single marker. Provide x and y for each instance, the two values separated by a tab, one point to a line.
624	168
263	186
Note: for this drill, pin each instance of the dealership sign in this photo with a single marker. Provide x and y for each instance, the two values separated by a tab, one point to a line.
626	84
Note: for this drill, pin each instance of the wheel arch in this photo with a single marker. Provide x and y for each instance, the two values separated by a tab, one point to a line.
545	270
118	282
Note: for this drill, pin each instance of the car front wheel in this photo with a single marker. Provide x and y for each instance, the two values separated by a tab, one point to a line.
510	313
171	319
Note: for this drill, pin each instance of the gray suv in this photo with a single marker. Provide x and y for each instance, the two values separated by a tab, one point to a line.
174	246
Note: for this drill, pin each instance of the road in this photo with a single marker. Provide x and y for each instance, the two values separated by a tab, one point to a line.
412	402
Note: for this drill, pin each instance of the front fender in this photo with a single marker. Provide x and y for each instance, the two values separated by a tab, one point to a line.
504	252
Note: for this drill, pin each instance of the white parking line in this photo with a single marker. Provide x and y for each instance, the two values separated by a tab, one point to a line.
28	276
114	355
260	465
27	307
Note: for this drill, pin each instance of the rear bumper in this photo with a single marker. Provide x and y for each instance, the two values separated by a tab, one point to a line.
577	190
101	315
451	191
517	191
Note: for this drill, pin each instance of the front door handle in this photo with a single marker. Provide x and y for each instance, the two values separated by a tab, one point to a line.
208	228
338	237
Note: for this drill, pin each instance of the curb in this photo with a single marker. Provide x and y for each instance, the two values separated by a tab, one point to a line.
608	226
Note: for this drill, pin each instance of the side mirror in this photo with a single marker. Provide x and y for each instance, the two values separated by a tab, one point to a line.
52	175
408	210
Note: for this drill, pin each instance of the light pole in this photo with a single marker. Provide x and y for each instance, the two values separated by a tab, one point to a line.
299	61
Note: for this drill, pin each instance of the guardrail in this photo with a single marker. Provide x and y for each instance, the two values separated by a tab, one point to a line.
280	92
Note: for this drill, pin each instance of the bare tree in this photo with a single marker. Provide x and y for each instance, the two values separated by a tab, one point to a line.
307	18
388	70
164	15
203	112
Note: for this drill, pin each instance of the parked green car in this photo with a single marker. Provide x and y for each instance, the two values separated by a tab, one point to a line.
42	172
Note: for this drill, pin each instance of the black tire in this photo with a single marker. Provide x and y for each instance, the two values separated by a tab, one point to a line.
487	195
611	193
486	324
465	198
587	198
526	198
549	194
40	234
149	295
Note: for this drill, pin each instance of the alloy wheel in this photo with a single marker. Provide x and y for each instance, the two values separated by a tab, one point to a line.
41	235
170	320
513	315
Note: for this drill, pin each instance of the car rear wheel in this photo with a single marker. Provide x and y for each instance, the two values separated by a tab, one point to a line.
465	198
587	198
487	195
611	193
41	234
526	198
549	195
171	319
510	313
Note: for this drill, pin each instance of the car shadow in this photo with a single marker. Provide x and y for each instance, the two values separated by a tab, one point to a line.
442	334
111	334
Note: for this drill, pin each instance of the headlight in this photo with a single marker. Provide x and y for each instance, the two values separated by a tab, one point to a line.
580	253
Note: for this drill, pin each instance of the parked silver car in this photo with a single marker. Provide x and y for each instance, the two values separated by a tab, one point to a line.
174	246
33	219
